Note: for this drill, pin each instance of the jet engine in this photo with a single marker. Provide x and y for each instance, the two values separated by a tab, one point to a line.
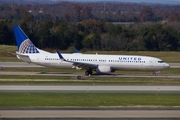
103	69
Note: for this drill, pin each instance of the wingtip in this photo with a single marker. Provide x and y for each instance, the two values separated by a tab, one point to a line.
76	51
59	54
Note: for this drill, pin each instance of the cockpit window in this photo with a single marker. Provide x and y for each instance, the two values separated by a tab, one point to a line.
160	61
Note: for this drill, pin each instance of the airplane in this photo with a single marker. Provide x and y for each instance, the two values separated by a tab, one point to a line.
100	63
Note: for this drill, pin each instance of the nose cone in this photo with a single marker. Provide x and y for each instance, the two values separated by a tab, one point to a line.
166	65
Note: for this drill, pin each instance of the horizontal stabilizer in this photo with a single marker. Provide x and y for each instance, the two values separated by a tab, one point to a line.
24	57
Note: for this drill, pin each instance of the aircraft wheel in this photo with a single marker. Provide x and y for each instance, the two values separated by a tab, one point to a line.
88	72
154	74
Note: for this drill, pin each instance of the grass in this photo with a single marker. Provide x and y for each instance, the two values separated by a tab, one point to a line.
7	53
87	99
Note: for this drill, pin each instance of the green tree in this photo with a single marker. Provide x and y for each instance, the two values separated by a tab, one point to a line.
17	14
92	41
93	26
44	35
6	35
161	38
61	38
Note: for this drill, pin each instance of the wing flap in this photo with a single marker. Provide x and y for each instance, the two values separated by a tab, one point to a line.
83	65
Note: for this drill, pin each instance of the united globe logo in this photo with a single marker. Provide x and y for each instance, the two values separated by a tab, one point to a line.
27	47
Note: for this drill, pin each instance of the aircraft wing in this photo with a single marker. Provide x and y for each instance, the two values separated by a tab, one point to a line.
78	65
83	65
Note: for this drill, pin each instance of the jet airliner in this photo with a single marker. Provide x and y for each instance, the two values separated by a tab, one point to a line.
101	64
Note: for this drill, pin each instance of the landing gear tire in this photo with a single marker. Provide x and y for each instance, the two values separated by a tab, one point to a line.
88	72
154	74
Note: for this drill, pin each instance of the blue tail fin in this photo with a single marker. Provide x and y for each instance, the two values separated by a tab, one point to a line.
76	51
24	44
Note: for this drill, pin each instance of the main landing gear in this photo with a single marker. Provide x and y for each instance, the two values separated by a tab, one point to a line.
154	73
88	72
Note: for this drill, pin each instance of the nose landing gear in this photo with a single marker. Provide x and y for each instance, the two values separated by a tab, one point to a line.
154	72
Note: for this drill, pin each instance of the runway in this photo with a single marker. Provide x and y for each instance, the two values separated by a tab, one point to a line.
92	113
91	88
25	64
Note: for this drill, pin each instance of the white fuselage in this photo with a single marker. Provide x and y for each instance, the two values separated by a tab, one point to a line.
115	62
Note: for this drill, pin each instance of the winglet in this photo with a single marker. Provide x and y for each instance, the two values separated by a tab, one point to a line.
76	51
60	56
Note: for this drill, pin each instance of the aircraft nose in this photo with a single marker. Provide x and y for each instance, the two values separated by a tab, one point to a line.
166	65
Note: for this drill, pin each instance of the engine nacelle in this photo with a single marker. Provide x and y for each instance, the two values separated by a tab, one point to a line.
103	69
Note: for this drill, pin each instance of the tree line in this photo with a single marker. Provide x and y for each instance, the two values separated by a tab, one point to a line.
94	34
79	11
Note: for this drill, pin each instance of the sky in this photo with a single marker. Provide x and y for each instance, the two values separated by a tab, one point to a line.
174	2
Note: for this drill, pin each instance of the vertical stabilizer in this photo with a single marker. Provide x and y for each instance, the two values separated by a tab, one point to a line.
25	46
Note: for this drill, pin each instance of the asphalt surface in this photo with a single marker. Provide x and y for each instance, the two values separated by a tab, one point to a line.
89	113
91	88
